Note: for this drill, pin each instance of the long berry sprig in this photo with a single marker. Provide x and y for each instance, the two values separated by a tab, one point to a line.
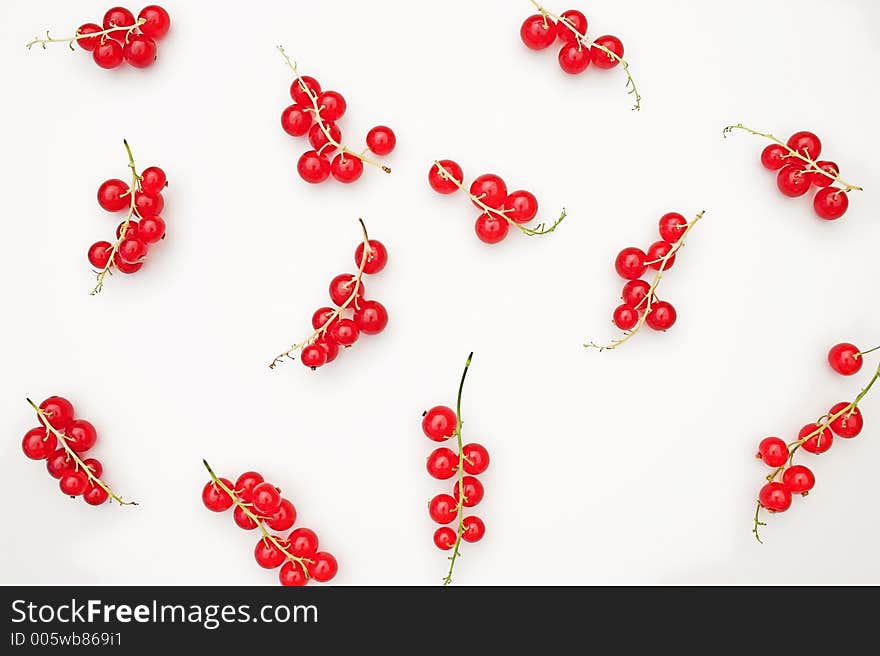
78	36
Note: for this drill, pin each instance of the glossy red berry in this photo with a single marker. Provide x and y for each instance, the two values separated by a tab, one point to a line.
346	168
798	479
58	411
39	444
442	181
292	574
822	180
343	286
108	54
773	451
323	567
538	32
267	554
473	529
634	294
126	267
283	518
775	156
377	258
630	263
73	482
266	499
439	423
601	58
831	203
299	94
444	538
443	508
574	58
147	205
845	359
94	494
118	17
150	230
215	497
99	254
490	190
522	206
473	491
113	195
58	462
303	542
331	105
442	463
571	19
381	140
662	316
132	250
491	228
242	519
371	317
153	180
775	497
131	228
296	121
655	254
313	356
805	143
820	441
323	144
476	458
81	435
140	51
331	348
245	484
850	423
321	317
625	317
345	332
89	43
94	465
793	181
158	22
672	227
312	167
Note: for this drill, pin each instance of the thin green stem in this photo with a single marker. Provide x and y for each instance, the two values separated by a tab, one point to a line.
92	35
870	350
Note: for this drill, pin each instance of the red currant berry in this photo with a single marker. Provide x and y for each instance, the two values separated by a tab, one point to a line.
601	58
126	267
108	54
774	497
473	491
321	317
73	482
94	494
822	180
215	497
283	518
831	203
153	180
266	499
845	359
635	292
331	105
371	317
99	254
342	287
345	332
58	412
444	538
774	157
571	19
662	316
148	205
39	444
850	423
303	542
245	484
319	140
443	508
132	250
805	143
150	230
59	462
522	206
442	181
94	465
625	317
292	574
798	479
313	356
792	181
158	22
820	441
331	348
81	435
672	227
538	32
381	140
312	167
476	458
772	451
574	58
442	463
267	554
299	93
439	423
323	567
656	252
630	263
130	229
491	228
377	258
490	190
242	519
118	17
346	168
113	195
140	51
473	529
89	43
296	121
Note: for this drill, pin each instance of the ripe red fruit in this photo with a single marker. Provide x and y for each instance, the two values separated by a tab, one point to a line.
792	181
130	229
601	58
377	258
798	479
283	518
822	180
319	140
59	462
490	190
630	263
299	94
313	356
58	411
323	567
108	54
848	424
820	442
242	519
153	180
113	195
523	206
266	499
295	120
126	267
381	140
655	254
442	463
473	491
775	156
150	230
672	227
371	317
625	317
312	167
343	286
831	203
73	482
635	292
571	19
89	43
331	105
444	538
476	458
215	498
132	250
574	58
440	182
140	51
491	228
805	143
845	359
662	316
94	465
99	254
439	423
773	451
303	542
147	205
292	574
267	554
473	529
538	32
331	348
94	494
158	22
38	443
443	508
775	497
81	435
245	484
118	17
345	332
346	168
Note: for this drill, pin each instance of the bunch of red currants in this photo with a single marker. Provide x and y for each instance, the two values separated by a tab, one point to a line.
578	52
259	504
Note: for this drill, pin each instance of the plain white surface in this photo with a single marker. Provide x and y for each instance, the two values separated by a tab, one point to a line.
633	466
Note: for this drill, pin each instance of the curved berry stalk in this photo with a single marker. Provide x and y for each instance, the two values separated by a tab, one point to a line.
315	113
331	328
60	440
259	504
542	30
488	192
640	302
844	420
120	38
133	237
439	424
799	169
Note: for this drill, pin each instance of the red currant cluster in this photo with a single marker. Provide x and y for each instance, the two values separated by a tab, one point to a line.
844	419
799	170
543	29
314	113
640	303
499	210
332	327
61	441
259	504
133	236
439	424
121	37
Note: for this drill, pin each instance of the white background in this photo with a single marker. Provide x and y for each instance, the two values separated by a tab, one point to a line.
633	466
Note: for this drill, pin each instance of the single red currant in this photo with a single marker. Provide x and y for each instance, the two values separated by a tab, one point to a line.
443	181
150	230
491	228
473	491
773	451
775	156
303	542
850	423
130	229
805	143
798	479
331	348
283	518
59	462
99	254
444	538
94	494
845	359
522	206
345	332
91	42
490	190
38	443
476	458
346	168
266	499
443	508
442	463
118	17
132	250
292	574
377	258
153	180
572	27
655	254
381	140
296	121
574	58
94	465
331	105
630	263
439	423
774	497
313	356
319	139
312	167
215	497
473	529
126	267
343	286
58	412
822	180
148	205
245	484
625	317
792	181
323	567
158	22
371	317
113	195
108	54
73	482
538	32
635	292
601	58
140	51
831	203
298	90
820	441
81	435
242	519
672	227
662	316
267	554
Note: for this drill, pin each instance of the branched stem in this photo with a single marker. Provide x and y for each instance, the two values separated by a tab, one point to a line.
461	498
76	37
813	166
540	229
352	298
650	297
78	463
585	42
258	520
325	128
